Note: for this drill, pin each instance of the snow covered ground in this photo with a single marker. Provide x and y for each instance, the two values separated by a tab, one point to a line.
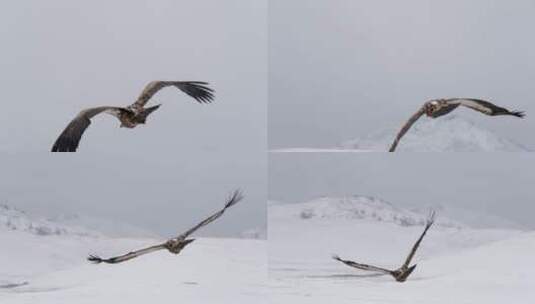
445	134
50	267
456	263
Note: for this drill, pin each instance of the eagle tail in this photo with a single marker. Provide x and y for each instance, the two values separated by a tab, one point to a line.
146	112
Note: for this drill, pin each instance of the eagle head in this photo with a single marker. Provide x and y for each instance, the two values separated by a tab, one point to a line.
432	106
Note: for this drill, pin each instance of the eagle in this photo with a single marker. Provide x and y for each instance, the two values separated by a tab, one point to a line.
130	116
402	273
439	107
174	245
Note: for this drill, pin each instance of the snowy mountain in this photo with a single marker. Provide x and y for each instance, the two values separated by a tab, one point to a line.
17	220
14	219
445	134
110	228
367	208
360	208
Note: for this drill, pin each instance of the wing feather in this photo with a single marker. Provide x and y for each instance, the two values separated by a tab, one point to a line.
196	89
231	201
428	225
125	257
69	139
486	107
362	266
406	128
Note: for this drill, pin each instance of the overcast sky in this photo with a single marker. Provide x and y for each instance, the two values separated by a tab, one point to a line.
498	184
341	69
59	57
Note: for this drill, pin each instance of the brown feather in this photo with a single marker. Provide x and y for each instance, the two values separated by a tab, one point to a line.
195	89
69	139
406	128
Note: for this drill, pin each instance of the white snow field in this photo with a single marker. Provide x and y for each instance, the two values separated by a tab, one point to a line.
446	134
44	262
456	263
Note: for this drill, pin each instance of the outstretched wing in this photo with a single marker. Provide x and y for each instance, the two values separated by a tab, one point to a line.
428	224
406	128
196	89
232	200
362	266
125	257
485	107
69	139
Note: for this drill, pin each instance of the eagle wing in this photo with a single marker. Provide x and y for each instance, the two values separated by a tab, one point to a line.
197	89
235	197
231	201
406	128
362	266
125	257
69	139
428	225
485	107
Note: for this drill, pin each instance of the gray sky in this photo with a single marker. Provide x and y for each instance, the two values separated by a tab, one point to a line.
59	57
489	183
341	69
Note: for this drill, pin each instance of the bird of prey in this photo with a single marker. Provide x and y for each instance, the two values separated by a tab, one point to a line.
174	245
402	273
439	107
129	116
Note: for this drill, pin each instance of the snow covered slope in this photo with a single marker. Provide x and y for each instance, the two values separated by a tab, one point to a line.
208	271
445	134
456	263
17	220
111	228
14	219
42	261
357	207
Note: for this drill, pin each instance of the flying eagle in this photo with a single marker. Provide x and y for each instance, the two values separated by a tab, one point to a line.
402	273
129	116
174	245
439	107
